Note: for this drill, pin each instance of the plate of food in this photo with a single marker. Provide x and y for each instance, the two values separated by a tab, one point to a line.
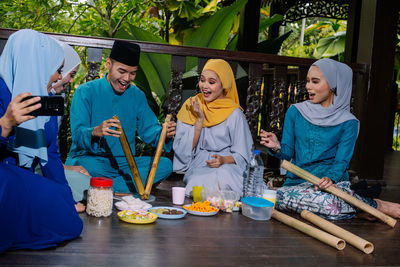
137	217
201	209
165	212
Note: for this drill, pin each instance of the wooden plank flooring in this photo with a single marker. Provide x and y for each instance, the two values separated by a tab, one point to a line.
222	240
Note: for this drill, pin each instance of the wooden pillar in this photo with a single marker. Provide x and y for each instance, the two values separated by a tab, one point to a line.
249	24
353	31
376	46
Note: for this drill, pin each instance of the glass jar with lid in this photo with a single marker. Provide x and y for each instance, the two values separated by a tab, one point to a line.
100	197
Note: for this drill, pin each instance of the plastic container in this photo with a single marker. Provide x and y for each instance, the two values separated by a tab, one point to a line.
257	208
100	197
253	181
224	200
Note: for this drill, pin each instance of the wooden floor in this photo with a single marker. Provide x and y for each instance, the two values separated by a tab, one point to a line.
222	240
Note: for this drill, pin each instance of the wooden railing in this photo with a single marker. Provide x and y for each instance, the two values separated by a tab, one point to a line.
283	78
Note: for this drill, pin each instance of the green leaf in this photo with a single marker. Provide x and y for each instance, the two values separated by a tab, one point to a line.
156	67
310	29
212	6
188	10
330	46
265	23
272	46
173	5
335	26
232	45
214	31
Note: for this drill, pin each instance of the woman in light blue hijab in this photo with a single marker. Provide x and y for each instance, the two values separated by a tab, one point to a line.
36	211
319	136
23	67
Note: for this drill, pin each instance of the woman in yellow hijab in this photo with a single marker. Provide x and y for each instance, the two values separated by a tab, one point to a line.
213	141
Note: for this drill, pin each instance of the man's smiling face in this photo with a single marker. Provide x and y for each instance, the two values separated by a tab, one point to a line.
120	75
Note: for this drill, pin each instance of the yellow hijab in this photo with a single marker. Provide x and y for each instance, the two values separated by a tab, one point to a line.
218	110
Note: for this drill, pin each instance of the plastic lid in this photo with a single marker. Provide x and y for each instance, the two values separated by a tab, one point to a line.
101	182
257	152
257	202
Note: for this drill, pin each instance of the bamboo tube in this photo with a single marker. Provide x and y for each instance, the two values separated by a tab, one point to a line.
362	244
152	173
339	193
322	236
131	161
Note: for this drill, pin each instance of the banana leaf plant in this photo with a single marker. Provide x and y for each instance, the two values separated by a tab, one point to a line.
330	46
154	72
214	32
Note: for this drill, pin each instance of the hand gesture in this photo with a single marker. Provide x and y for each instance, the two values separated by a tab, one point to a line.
104	128
171	128
269	139
194	101
79	169
324	183
17	112
216	162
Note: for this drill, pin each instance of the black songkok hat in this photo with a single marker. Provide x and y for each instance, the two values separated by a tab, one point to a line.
126	53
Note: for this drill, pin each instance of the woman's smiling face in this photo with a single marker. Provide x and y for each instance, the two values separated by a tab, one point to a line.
55	77
211	86
318	88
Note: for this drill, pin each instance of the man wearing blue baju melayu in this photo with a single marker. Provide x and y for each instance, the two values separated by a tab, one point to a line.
95	134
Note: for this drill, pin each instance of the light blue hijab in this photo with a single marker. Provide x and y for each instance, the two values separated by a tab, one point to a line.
340	79
28	60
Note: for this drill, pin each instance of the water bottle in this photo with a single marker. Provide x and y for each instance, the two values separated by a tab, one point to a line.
253	181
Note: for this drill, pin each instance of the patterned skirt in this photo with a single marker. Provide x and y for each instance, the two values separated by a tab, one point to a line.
303	197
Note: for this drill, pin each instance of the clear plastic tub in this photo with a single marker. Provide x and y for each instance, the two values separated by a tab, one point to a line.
257	208
224	200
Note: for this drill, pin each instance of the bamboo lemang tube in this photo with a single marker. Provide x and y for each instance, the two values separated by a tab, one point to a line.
131	161
322	236
362	244
152	173
339	193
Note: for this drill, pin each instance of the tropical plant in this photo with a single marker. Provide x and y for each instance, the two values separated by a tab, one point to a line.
314	36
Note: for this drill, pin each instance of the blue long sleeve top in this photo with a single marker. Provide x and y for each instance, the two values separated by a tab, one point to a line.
95	102
54	168
322	151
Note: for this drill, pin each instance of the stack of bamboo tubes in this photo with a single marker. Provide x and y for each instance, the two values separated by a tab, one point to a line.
143	193
338	236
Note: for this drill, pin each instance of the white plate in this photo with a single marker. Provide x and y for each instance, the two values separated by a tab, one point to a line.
200	213
169	216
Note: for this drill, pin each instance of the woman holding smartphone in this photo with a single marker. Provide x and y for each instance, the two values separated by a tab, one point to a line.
36	211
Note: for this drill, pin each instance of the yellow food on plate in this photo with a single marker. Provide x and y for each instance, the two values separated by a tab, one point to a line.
137	217
201	207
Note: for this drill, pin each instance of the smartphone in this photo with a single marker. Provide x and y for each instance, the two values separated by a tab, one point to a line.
51	106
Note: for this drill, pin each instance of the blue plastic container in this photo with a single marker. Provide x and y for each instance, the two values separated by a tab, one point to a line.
257	208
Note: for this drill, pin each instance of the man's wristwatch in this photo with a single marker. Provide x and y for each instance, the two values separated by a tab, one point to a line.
276	149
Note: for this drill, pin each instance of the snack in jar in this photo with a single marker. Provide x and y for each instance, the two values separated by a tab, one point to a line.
100	197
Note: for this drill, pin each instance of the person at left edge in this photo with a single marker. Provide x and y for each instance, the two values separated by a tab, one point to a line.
35	211
95	134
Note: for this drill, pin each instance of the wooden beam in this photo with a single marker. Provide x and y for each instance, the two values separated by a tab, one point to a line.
352	31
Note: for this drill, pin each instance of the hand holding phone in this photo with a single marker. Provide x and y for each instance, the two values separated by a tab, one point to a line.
51	106
18	112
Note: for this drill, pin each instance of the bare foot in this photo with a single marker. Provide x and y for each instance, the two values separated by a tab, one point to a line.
389	208
80	207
